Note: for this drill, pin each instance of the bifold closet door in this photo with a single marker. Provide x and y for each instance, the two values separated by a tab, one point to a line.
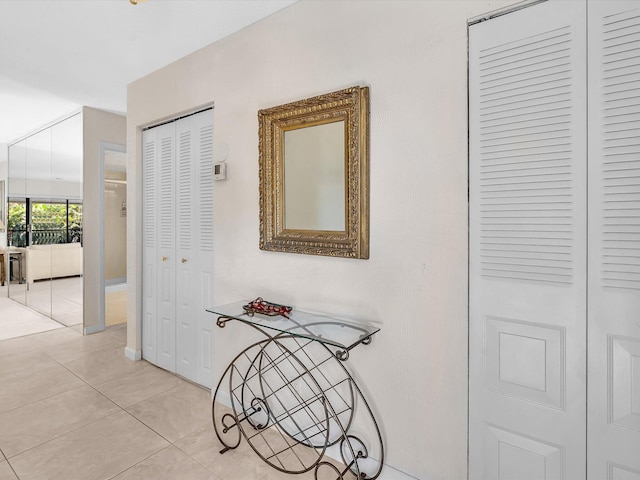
614	241
158	283
528	177
194	241
178	246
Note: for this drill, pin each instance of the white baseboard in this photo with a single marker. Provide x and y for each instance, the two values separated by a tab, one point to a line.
117	285
390	473
132	354
223	397
92	329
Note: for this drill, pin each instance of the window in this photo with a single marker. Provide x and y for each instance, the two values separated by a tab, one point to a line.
37	222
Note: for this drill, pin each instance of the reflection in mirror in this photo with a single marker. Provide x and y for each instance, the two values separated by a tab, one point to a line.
114	213
314	175
67	246
314	189
17	221
45	220
37	256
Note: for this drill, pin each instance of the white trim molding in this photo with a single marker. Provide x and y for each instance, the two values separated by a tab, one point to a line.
132	354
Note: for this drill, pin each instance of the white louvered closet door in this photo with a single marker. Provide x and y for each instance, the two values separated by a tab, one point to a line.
528	244
614	241
194	238
158	257
149	245
178	246
204	231
166	279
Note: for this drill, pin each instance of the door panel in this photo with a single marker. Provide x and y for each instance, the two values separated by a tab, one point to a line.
165	145
149	248
614	238
205	321
528	244
187	254
511	456
194	237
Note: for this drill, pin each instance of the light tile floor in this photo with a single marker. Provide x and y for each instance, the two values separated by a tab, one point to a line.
73	407
60	299
17	320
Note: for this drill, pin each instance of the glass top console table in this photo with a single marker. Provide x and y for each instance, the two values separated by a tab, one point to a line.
292	398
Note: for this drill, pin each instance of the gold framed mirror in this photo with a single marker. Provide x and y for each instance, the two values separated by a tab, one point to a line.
314	175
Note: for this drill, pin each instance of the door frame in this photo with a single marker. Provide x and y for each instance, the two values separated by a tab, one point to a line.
104	147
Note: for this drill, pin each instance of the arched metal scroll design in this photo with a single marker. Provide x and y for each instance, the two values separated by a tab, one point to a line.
292	398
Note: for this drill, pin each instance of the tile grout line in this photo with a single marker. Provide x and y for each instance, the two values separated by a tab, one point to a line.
58	364
149	456
68	432
85	383
41	350
170	444
12	469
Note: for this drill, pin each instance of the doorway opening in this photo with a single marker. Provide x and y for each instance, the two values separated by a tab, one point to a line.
115	234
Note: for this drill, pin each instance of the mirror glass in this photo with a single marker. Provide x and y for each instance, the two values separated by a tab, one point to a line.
114	209
17	221
314	175
67	209
40	222
45	221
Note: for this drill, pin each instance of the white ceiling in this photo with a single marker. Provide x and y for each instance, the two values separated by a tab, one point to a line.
58	55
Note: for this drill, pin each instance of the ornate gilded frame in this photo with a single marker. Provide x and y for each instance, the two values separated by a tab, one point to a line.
350	105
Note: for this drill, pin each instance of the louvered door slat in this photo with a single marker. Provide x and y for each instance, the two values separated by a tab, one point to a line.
149	192
205	166
166	198
620	91
185	187
511	74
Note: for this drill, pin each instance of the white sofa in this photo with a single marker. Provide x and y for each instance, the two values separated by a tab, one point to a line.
53	261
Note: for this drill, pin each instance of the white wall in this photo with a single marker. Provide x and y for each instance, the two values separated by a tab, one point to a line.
413	55
98	127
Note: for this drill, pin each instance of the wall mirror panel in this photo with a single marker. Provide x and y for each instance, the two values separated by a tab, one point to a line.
17	220
44	228
67	184
314	175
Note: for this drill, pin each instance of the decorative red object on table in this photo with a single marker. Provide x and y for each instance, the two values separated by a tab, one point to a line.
259	305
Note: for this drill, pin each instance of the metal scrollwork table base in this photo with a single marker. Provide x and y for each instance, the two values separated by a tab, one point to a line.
292	398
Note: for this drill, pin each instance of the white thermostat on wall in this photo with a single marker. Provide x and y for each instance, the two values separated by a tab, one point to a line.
220	171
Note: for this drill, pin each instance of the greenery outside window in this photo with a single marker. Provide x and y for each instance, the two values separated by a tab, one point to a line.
52	222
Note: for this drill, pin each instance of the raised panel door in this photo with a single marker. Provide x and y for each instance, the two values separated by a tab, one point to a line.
149	246
194	238
614	241
528	244
187	246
